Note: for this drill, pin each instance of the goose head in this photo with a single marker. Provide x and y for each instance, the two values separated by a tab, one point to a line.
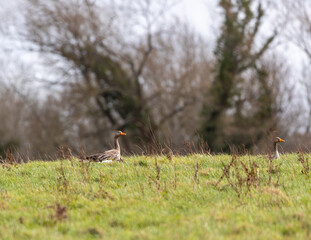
119	133
277	140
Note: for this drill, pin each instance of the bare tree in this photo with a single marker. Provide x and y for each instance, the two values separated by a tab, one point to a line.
116	56
237	56
299	33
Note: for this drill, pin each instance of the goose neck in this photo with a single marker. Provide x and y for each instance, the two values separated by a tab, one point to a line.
116	143
276	150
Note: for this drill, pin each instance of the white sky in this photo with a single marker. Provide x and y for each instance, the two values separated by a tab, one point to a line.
203	15
200	14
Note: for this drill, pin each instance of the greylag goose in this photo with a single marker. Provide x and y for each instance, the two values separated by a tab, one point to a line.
110	155
275	144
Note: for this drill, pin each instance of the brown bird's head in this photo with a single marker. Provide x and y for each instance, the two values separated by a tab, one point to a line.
277	140
120	133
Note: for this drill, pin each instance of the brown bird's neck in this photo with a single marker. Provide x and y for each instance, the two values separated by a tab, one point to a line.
116	143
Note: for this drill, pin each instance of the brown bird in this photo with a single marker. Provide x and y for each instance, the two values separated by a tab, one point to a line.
110	155
275	145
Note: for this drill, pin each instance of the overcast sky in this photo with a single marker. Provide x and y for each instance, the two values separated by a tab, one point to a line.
203	15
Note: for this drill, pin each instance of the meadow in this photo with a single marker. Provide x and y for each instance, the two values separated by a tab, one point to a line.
154	197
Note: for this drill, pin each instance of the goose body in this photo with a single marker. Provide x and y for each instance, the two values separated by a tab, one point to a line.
109	155
276	149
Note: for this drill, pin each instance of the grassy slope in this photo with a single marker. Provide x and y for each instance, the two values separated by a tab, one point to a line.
122	201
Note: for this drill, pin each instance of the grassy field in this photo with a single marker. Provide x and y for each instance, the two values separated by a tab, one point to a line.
156	198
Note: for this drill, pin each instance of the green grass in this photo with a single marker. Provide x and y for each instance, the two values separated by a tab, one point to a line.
135	201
